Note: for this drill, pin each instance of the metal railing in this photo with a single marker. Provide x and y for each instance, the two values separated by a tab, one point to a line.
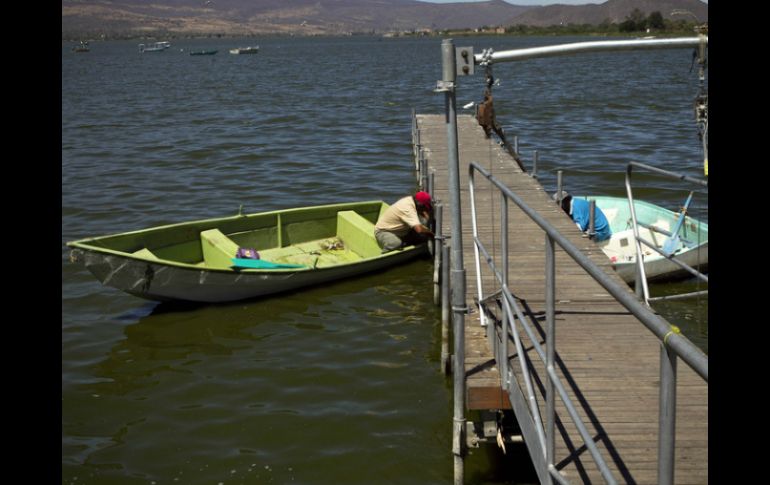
641	279
439	248
541	431
461	61
424	176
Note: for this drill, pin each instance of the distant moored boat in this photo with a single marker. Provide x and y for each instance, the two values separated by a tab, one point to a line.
155	47
245	50
203	53
83	47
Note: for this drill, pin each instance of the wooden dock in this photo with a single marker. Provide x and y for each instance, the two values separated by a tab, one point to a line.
608	360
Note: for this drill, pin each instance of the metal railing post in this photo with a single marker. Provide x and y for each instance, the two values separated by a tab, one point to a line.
559	185
423	172
507	316
534	165
641	276
550	343
667	417
416	136
458	270
591	218
445	314
438	262
475	233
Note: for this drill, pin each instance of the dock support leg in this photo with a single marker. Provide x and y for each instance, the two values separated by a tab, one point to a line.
445	365
438	261
457	274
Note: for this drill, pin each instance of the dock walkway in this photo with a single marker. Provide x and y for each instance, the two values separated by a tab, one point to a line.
608	360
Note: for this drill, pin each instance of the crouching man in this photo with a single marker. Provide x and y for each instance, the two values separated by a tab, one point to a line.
405	223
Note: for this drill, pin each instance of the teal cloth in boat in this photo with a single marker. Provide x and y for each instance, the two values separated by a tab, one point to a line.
261	264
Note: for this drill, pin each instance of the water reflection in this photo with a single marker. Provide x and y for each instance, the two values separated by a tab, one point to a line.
691	314
343	366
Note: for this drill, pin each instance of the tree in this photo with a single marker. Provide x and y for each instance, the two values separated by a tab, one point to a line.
634	22
655	21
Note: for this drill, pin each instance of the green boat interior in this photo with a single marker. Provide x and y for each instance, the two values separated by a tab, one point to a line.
315	237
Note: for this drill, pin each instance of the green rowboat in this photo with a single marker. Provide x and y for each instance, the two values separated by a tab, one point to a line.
196	261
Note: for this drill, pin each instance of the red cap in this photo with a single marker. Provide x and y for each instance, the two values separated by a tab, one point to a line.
423	198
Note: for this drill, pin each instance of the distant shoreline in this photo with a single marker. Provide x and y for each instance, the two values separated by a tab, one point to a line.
528	32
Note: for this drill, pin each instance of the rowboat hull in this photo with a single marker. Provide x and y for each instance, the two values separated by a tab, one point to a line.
170	263
162	282
661	269
620	248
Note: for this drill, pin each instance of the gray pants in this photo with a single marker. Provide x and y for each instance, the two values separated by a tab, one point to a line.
389	241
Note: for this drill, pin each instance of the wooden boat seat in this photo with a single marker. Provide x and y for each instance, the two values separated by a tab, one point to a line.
357	234
218	249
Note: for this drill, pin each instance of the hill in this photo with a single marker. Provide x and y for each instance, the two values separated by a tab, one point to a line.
249	17
612	11
132	18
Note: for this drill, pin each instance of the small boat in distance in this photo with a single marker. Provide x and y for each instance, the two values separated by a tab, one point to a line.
656	224
202	260
83	47
245	50
155	47
204	52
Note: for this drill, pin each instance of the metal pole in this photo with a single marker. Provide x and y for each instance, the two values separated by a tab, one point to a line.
445	309
534	166
559	174
682	296
475	233
457	278
417	144
582	47
641	275
432	243
504	251
437	261
550	336
423	173
667	418
591	218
